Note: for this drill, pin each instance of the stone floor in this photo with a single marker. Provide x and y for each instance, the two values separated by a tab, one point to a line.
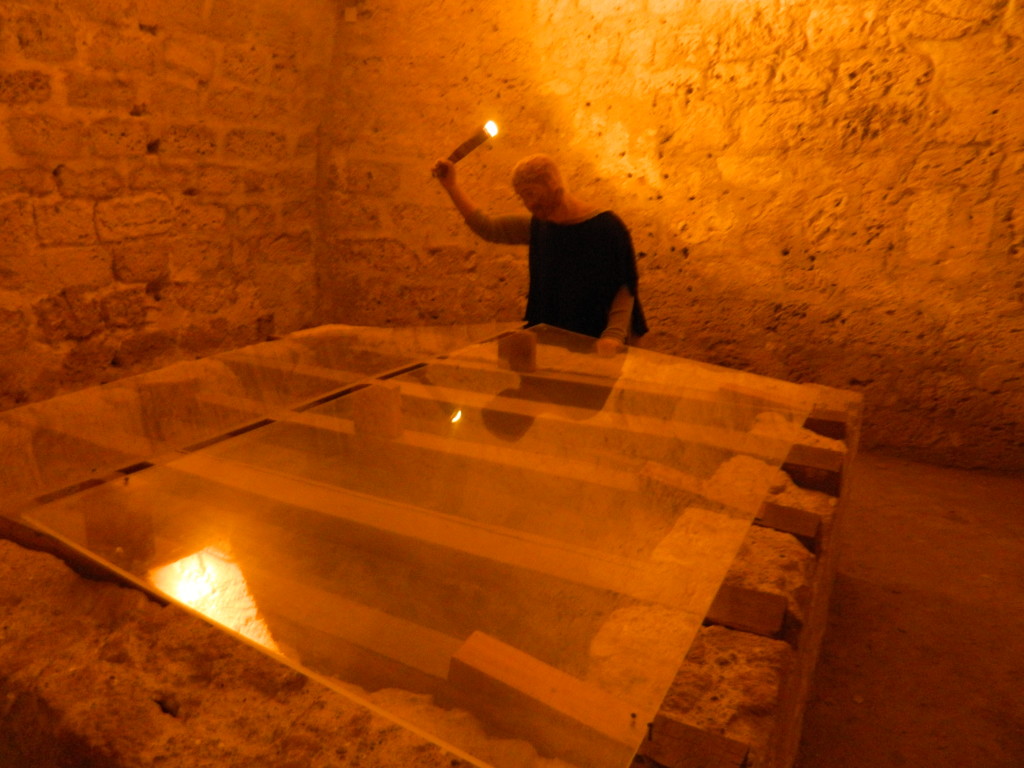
923	662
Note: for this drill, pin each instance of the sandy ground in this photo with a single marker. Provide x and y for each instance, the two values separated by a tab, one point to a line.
923	661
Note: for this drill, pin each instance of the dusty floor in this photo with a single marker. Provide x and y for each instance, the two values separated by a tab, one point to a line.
923	662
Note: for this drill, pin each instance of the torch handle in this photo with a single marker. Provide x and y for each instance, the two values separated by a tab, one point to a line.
468	146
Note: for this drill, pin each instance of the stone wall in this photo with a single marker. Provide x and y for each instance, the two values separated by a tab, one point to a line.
157	182
817	192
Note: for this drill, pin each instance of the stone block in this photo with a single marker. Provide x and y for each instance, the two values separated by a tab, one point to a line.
125	308
208	296
71	314
874	76
141	261
86	361
44	35
14	325
118	137
230	20
160	176
200	217
188	141
17	225
286	289
970	166
98	184
930	24
170	99
47	270
28	181
130	217
218	180
363	177
251	219
181	14
282	249
24	87
144	349
205	338
67	222
297	180
840	27
298	217
236	104
119	51
242	105
196	258
249	64
255	145
116	12
351	213
46	136
192	55
94	92
803	76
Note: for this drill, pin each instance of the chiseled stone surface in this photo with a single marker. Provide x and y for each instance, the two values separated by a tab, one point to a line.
730	685
113	115
94	675
817	192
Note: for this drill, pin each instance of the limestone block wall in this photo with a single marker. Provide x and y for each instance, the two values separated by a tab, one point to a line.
157	181
817	191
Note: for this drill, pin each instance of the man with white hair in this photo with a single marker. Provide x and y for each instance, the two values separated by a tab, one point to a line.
583	275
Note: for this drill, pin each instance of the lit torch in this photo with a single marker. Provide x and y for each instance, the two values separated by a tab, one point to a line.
489	130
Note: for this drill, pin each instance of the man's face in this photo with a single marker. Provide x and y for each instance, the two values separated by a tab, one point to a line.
540	199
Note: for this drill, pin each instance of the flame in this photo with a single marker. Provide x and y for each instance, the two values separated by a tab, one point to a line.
457	417
492	128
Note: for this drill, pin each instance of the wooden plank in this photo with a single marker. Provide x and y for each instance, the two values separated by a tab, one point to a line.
748	610
565	467
559	714
672	743
658	582
312	607
623	424
805	525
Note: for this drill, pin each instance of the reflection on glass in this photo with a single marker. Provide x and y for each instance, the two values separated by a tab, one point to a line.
514	561
209	582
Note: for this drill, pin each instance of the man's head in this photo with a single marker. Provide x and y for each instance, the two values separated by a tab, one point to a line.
538	183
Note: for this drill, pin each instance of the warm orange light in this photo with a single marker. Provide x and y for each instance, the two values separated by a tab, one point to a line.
489	130
213	585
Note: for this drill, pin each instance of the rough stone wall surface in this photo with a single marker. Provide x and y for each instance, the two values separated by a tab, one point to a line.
817	192
157	182
96	676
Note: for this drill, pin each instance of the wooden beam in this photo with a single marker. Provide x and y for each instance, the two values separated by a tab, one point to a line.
665	583
559	714
805	525
748	610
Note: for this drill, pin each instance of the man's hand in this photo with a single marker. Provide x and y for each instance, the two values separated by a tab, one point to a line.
606	347
444	172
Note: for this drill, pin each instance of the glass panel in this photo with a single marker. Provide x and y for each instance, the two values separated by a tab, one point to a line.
83	435
512	561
